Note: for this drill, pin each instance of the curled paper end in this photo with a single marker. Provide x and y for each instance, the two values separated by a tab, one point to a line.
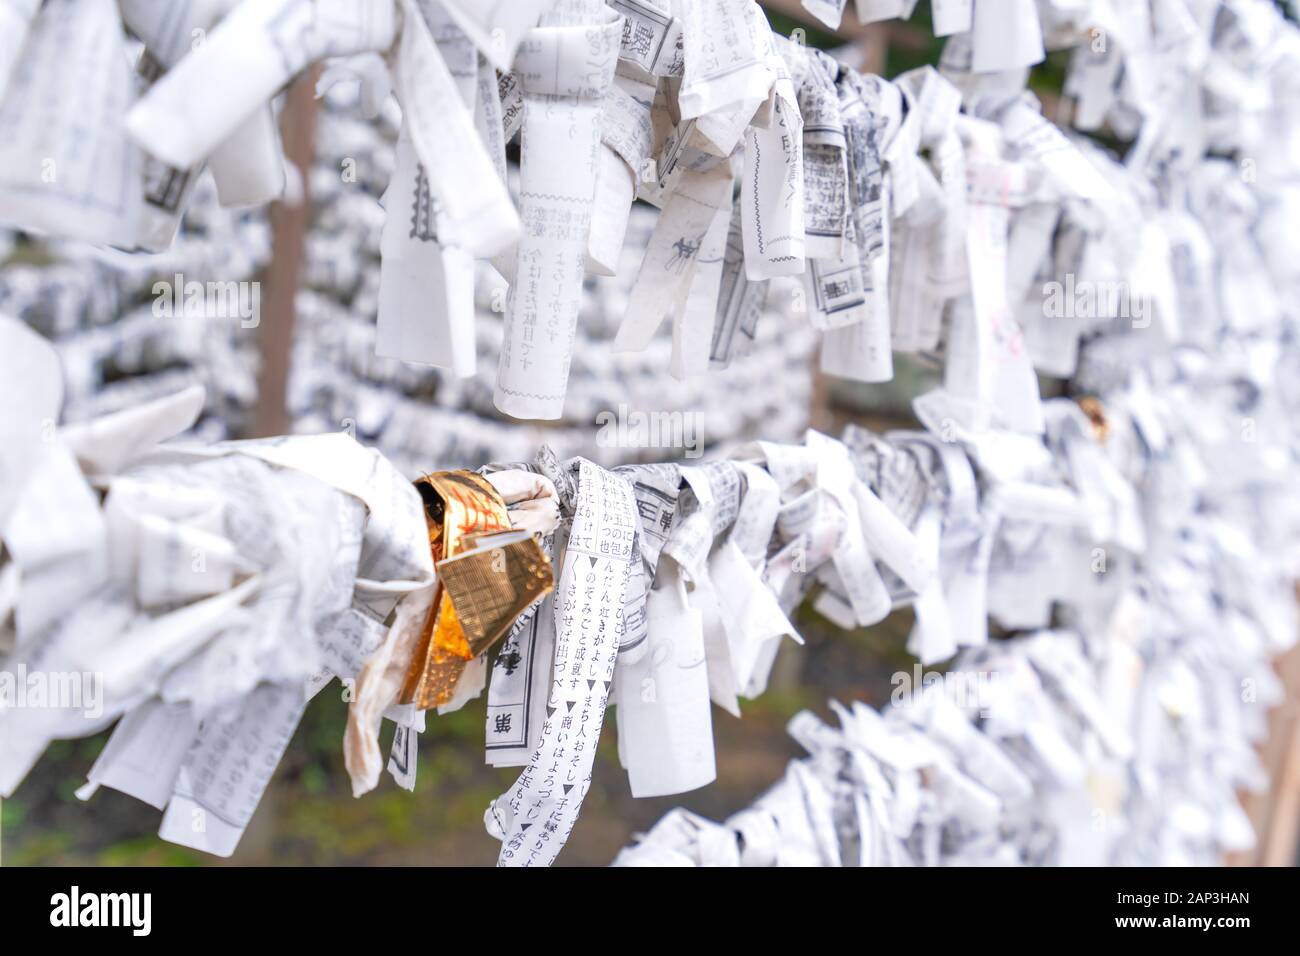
103	445
524	406
492	823
146	124
248	165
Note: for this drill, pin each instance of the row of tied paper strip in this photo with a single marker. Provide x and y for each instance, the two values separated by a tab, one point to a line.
215	589
1121	727
118	348
1028	754
1125	738
338	378
1167	557
1246	362
896	208
589	139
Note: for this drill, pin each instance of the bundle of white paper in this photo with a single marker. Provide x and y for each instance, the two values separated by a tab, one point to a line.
213	578
423	417
1145	546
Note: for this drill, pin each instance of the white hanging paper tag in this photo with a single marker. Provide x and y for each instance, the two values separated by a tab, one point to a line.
1006	39
828	12
856	567
825	165
756	519
143	755
723	83
664	280
740	301
566	72
477	214
995	370
665	725
693	325
426	287
626	146
858	345
751	617
247	166
771	194
227	768
652	38
403	758
67	167
703	515
950	16
516	705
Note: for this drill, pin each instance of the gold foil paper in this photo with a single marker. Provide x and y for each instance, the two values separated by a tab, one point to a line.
493	584
457	504
1096	413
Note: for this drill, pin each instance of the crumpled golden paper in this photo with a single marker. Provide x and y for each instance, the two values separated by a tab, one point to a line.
492	585
489	584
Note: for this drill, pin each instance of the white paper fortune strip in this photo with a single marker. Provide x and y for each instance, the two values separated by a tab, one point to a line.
566	67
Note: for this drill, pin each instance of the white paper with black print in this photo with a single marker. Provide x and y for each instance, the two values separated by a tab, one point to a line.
566	67
534	817
656	488
518	686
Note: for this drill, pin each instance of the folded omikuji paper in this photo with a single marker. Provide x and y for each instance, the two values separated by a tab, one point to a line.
1136	536
1045	712
919	213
